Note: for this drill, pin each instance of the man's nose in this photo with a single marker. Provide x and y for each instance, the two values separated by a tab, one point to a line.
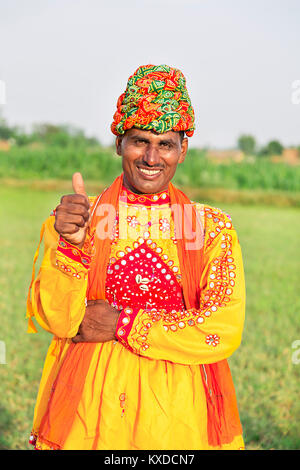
151	156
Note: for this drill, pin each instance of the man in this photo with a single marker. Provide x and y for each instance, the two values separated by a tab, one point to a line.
144	294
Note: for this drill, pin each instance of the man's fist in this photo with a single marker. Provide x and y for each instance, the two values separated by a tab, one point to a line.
99	323
72	216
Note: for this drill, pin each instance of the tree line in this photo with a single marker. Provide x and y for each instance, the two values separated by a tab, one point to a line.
69	136
48	134
248	145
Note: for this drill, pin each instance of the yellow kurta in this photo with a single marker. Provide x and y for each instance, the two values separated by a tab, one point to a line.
144	391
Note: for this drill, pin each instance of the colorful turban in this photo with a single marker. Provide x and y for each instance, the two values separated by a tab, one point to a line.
156	99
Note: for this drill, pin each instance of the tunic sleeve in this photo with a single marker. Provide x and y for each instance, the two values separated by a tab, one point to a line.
209	334
58	293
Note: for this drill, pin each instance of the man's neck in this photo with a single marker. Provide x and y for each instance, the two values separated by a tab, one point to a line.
136	191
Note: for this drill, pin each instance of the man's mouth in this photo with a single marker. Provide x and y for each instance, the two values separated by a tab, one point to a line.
150	173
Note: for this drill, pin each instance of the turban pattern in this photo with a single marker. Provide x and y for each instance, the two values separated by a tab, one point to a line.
156	99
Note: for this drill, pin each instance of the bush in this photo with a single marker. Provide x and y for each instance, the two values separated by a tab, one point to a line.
247	144
273	148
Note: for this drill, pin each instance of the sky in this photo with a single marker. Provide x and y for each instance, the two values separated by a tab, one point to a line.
67	62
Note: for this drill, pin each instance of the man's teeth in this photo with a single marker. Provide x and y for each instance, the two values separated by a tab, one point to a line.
149	172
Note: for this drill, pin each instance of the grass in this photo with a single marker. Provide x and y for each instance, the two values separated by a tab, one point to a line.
213	195
266	380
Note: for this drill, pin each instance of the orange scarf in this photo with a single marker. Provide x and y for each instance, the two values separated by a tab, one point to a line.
223	422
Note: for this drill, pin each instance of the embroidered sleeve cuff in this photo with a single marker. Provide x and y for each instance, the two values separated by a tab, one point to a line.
124	325
72	260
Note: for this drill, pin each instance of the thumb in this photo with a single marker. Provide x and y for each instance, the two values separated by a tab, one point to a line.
78	188
78	184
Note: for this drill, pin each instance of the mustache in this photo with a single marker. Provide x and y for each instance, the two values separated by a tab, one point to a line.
149	167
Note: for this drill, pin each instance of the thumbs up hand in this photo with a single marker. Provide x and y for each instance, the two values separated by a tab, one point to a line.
72	215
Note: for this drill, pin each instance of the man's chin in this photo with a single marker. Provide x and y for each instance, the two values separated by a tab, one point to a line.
145	186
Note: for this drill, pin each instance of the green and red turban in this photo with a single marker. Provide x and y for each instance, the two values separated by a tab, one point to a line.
156	99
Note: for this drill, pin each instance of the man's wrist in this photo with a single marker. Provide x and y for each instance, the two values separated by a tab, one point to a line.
71	259
118	314
77	247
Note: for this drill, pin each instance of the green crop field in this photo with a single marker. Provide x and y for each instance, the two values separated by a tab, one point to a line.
265	376
102	164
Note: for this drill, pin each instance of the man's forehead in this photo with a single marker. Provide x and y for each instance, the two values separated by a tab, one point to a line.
135	132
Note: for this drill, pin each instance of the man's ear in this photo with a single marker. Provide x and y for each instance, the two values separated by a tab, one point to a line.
118	144
184	149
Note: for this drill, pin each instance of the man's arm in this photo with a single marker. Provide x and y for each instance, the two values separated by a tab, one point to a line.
58	293
209	334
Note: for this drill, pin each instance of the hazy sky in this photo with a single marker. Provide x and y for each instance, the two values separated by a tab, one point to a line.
67	61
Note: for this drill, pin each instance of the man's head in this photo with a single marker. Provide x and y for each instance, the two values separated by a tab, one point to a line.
152	116
150	159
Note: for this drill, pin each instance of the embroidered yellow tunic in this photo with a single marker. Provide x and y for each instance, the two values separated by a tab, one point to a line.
145	390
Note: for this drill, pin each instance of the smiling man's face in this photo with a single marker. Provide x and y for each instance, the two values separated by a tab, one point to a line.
149	159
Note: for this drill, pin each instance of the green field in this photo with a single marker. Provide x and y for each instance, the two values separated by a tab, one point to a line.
102	164
267	381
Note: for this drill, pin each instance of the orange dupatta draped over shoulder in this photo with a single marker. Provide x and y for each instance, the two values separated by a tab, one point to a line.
223	422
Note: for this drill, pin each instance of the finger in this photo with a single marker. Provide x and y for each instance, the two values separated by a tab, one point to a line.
73	199
78	184
69	229
77	339
77	209
75	219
